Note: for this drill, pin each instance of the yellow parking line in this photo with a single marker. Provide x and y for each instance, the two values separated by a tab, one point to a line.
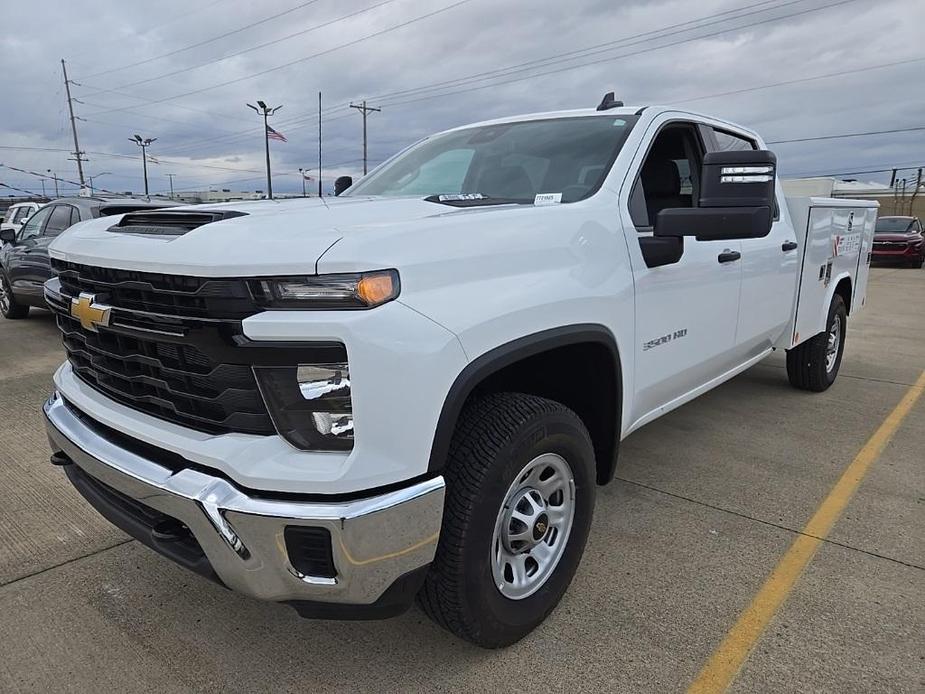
723	666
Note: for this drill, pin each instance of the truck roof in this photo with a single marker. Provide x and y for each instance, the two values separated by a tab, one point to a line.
636	109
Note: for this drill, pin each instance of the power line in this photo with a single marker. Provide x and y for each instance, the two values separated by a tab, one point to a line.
840	73
173	162
320	53
204	41
667	31
838	137
618	57
174	18
902	166
257	47
670	30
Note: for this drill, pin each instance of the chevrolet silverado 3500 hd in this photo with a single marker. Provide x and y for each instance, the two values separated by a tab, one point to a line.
413	389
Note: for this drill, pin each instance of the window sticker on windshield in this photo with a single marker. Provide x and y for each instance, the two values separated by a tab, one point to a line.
619	122
460	196
547	199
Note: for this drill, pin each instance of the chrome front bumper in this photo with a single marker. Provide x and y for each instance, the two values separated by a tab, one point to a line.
375	541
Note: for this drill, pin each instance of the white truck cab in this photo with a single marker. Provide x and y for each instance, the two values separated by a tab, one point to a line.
414	388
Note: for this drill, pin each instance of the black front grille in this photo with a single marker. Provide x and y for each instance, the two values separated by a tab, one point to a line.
175	382
174	346
172	295
157	355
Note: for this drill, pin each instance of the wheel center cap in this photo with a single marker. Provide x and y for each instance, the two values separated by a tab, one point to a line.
540	527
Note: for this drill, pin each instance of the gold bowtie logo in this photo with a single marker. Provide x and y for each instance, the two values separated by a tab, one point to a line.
90	314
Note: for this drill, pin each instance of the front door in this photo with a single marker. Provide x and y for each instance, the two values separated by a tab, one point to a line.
769	270
26	255
686	311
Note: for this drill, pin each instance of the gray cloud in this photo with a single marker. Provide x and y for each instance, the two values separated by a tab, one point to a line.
208	137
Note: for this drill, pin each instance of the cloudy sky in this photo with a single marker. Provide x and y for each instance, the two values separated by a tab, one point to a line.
183	70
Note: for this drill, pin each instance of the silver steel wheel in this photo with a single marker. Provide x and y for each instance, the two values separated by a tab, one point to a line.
4	296
831	350
533	526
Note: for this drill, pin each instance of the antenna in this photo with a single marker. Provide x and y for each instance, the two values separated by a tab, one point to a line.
609	102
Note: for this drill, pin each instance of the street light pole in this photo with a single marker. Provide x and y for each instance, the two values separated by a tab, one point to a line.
90	178
55	178
266	112
143	143
170	176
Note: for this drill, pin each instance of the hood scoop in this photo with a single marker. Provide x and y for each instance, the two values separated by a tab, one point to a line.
170	222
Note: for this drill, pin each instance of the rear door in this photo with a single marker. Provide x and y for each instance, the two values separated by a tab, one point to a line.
769	269
686	311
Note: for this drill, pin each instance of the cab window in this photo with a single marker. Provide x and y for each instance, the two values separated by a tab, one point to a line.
59	220
670	175
33	226
728	142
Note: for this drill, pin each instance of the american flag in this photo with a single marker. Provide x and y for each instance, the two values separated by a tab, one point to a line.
273	135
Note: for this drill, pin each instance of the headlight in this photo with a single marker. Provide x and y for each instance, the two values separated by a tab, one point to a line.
353	291
310	404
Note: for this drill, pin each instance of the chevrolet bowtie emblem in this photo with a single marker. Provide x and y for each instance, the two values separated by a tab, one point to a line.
90	314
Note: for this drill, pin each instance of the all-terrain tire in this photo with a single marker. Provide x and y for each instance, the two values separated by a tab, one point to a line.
496	437
9	307
808	364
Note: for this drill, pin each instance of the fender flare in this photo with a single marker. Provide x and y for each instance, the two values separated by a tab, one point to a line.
830	294
509	353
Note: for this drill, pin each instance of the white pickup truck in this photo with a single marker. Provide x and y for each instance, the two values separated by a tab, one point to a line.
414	388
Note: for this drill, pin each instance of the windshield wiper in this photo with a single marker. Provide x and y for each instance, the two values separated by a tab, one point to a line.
473	200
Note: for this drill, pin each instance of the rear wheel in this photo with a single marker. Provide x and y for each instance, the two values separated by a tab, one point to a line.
519	500
9	307
814	364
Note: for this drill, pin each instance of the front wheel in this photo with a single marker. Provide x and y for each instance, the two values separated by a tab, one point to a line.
9	307
519	501
814	364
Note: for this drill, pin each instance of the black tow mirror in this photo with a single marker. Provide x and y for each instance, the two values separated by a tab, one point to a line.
342	183
736	199
8	236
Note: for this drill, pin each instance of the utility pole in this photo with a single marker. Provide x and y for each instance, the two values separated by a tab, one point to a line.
915	193
266	112
364	109
170	176
143	143
319	144
78	155
55	178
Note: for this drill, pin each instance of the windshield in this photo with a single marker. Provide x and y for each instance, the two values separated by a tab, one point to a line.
893	225
509	162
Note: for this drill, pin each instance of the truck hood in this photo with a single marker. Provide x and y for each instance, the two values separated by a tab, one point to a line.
272	236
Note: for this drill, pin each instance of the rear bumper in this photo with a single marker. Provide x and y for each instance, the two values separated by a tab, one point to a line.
379	546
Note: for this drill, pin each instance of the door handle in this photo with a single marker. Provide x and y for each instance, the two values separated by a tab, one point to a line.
728	256
788	246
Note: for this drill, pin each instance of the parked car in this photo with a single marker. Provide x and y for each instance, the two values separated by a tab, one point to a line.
17	215
24	264
414	388
899	239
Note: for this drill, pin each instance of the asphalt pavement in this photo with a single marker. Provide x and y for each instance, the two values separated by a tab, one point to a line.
707	501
